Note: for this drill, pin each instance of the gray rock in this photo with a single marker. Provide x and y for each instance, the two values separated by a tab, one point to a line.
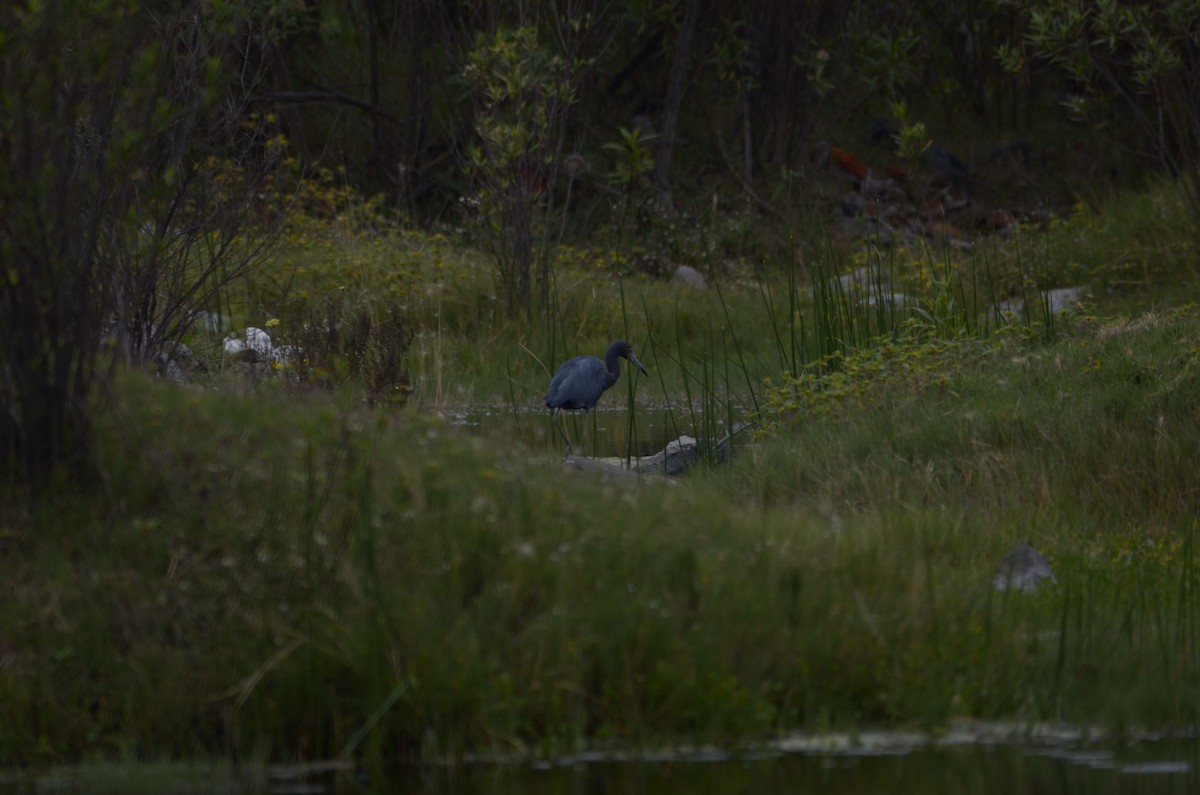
287	353
168	368
894	300
673	459
689	276
1057	301
943	163
863	280
259	341
604	468
1022	569
175	362
254	345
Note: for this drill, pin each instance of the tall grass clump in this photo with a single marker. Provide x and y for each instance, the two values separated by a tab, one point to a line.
305	577
1132	242
892	313
994	396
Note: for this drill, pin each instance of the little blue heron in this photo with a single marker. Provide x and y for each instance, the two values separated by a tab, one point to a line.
579	382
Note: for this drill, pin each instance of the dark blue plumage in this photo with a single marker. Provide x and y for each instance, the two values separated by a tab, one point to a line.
579	382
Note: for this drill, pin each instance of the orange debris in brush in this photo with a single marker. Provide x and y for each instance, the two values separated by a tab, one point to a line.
848	162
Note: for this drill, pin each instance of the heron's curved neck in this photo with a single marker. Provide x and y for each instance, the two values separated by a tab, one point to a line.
612	363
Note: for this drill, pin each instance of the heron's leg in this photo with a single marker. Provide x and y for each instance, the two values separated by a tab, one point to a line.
587	413
562	428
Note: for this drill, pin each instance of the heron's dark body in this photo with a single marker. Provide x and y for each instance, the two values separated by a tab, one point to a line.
580	381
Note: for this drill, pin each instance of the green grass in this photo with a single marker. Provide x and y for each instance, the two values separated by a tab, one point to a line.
774	304
265	571
301	577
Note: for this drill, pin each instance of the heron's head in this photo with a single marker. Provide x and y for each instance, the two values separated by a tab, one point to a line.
626	352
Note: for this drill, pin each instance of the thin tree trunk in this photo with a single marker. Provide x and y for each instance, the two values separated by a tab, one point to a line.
374	22
420	25
675	84
747	130
281	82
785	105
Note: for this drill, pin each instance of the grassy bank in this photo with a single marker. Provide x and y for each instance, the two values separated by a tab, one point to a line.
261	572
240	517
777	299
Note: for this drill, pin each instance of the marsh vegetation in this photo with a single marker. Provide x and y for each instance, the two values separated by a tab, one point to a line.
294	552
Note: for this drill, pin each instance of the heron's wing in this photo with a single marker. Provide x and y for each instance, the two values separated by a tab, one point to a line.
577	384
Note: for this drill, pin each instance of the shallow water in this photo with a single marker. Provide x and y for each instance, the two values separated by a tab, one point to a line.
610	433
977	769
884	763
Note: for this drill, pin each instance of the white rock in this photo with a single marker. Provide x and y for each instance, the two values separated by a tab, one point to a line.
259	341
234	345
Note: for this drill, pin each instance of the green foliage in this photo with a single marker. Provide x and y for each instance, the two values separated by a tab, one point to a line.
1135	241
1134	60
911	140
304	577
633	162
276	572
127	187
383	93
345	340
868	379
521	96
632	159
892	62
1040	422
818	72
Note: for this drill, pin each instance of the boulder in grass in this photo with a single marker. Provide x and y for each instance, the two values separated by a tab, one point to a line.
672	460
689	277
1023	569
254	345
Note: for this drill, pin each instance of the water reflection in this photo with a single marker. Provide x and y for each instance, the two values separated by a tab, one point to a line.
611	433
963	770
1147	768
1007	769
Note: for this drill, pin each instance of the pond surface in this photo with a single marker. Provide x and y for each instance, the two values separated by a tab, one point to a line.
1008	769
610	433
897	764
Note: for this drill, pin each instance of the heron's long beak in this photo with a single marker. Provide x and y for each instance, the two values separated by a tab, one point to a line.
634	361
